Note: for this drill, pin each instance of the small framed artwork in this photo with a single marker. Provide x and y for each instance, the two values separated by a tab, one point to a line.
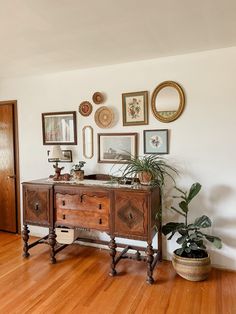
155	141
116	147
67	156
135	108
59	128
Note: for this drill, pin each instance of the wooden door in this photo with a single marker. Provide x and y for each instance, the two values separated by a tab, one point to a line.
9	185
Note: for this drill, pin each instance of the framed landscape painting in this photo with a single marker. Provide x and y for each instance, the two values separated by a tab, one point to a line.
116	147
135	108
59	128
155	141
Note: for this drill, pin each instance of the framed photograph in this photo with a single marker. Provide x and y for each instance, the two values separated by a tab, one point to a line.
116	147
59	128
155	141
135	108
67	156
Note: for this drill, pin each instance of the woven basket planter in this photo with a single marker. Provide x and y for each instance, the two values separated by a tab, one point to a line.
193	269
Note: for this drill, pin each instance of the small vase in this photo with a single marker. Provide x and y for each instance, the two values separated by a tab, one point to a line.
78	175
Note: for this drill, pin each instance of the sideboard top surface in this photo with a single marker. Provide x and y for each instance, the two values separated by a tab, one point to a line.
104	184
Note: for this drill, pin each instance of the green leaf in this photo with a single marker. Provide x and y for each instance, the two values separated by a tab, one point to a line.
195	188
171	227
179	251
194	246
184	206
214	240
182	239
202	222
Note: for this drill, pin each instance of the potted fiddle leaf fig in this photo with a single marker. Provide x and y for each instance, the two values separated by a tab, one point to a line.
77	172
191	260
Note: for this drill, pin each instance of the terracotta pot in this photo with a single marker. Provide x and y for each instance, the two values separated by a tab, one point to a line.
78	175
145	177
193	269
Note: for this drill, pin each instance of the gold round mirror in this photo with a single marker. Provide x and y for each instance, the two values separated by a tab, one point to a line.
168	101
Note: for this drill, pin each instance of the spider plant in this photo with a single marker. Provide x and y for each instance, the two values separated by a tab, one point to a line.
156	168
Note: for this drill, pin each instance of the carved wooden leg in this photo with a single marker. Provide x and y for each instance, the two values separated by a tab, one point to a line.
149	253
112	246
52	243
25	237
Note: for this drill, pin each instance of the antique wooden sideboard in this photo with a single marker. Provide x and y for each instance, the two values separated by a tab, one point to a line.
132	212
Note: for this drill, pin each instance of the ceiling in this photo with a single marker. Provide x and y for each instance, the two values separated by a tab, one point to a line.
43	36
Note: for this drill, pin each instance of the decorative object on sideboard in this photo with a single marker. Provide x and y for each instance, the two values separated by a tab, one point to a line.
77	172
150	170
87	133
56	156
191	261
85	108
66	156
59	128
135	108
168	101
116	147
104	117
155	141
98	98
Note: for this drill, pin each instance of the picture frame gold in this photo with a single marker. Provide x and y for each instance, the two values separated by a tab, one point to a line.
135	108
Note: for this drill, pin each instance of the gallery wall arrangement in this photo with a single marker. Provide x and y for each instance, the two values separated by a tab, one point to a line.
167	104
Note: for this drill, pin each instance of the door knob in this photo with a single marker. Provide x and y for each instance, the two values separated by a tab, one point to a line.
11	176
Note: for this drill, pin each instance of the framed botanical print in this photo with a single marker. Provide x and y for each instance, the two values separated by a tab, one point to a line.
155	141
59	128
116	147
135	108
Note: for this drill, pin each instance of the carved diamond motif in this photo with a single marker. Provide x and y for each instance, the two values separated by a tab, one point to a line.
130	215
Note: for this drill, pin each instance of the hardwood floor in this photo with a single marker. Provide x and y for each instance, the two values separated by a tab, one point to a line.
79	283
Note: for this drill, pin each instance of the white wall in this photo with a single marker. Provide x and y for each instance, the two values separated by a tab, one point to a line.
202	143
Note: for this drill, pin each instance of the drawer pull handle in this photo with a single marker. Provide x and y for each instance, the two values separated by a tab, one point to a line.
100	221
63	203
36	206
81	198
130	216
63	216
100	206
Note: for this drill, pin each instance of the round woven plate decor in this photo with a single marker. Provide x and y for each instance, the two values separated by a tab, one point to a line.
85	108
104	117
98	98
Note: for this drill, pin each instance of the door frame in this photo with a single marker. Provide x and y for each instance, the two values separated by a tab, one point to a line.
16	160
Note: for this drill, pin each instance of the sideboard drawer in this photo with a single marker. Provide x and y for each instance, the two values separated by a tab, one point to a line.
82	218
84	200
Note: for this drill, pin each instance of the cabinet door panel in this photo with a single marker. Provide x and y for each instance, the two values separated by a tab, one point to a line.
131	214
37	202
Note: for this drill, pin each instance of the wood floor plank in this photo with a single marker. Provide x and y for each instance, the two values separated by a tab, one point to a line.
79	283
